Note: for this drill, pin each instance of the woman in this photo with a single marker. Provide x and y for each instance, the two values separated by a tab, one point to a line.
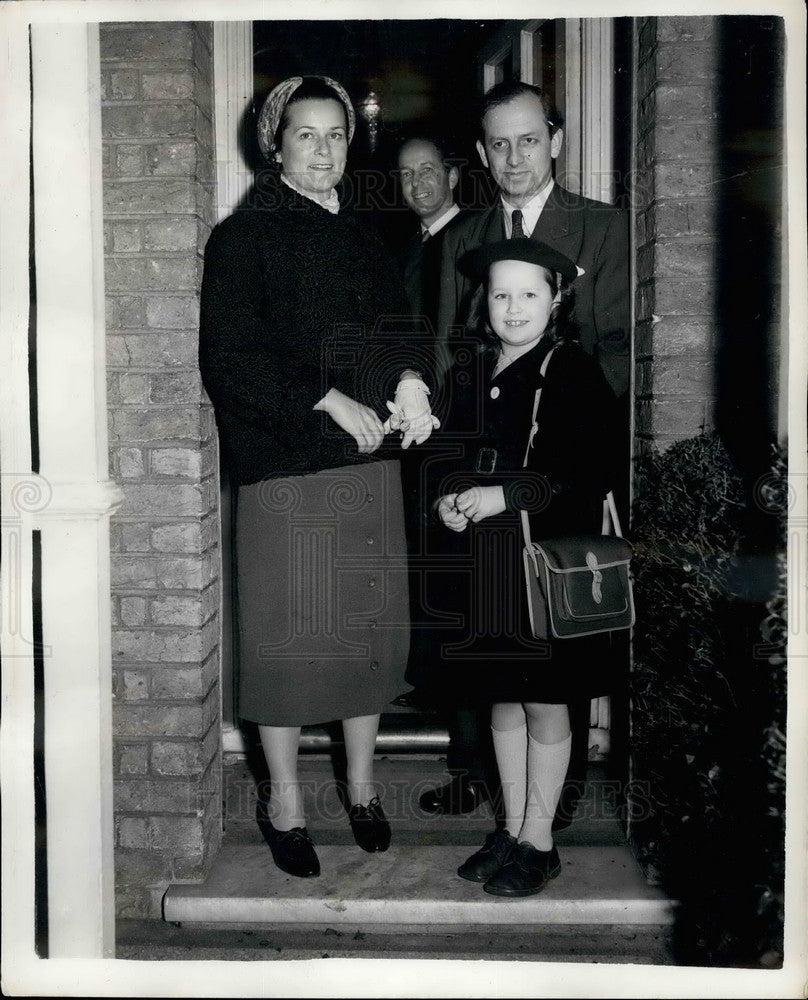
520	313
293	360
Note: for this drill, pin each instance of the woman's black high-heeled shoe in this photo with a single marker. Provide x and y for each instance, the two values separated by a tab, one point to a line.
292	850
369	826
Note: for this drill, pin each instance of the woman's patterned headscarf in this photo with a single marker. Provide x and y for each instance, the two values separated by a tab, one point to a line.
278	98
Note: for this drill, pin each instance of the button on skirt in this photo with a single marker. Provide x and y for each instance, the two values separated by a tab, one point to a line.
323	608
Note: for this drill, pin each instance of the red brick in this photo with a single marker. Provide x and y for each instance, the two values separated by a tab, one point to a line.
175	387
126	237
161	720
133	758
694	141
680	297
124	273
154	424
688	62
161	43
149	196
683	376
683	258
138	795
177	759
178	832
683	335
135	682
123	85
171	234
133	611
171	275
130	311
178	462
135	537
148	121
151	350
128	161
685	28
177	683
171	159
128	463
155	646
674	419
160	500
137	572
178	538
685	218
685	181
168	86
689	103
169	313
210	458
132	388
183	572
133	831
208	422
170	609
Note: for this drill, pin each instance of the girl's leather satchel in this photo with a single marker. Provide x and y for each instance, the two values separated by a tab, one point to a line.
577	584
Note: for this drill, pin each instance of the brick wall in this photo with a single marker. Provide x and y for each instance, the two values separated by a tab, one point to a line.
676	228
158	211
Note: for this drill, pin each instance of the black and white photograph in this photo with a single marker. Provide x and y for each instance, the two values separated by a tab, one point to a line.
404	510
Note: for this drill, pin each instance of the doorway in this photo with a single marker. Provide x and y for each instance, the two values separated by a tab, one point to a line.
398	76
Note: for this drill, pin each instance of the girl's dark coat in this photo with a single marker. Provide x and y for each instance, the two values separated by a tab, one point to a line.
484	646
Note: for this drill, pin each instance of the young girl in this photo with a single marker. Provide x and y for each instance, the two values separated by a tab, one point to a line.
520	313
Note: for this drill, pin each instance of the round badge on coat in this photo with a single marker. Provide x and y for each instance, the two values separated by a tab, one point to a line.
495	392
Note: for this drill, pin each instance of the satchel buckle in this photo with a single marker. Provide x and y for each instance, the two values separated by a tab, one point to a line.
597	577
486	461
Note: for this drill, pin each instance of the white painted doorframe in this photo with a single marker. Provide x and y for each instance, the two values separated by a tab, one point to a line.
69	500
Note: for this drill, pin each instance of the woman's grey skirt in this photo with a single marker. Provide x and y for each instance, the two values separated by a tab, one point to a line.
322	595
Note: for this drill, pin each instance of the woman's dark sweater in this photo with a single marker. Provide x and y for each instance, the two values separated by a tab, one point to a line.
295	301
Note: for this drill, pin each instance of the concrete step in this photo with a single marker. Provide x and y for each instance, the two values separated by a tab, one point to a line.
599	909
155	941
413	887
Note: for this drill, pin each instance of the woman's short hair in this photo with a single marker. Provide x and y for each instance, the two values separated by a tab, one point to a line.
560	326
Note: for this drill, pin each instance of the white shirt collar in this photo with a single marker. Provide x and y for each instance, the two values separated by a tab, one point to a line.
530	212
438	224
331	204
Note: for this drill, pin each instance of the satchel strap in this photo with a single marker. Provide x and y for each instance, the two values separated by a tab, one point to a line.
609	506
534	426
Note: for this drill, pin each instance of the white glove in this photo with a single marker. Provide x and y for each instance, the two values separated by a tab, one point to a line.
450	515
395	420
412	401
480	502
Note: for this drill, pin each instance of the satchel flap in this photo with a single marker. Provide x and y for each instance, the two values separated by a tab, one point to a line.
574	553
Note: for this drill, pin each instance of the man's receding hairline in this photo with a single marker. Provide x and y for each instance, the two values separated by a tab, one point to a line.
515	97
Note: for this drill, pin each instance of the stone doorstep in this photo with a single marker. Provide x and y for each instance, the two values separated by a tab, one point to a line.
413	888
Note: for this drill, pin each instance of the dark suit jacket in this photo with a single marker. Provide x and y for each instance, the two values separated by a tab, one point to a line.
420	265
591	233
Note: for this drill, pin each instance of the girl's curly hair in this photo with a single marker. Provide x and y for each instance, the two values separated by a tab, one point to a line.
560	326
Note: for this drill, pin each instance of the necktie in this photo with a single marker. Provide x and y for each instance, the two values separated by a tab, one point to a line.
425	236
517	233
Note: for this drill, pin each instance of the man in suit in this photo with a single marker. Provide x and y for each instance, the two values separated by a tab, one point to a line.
521	136
428	181
428	184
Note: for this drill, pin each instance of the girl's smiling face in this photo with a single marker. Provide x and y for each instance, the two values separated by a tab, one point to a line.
520	299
